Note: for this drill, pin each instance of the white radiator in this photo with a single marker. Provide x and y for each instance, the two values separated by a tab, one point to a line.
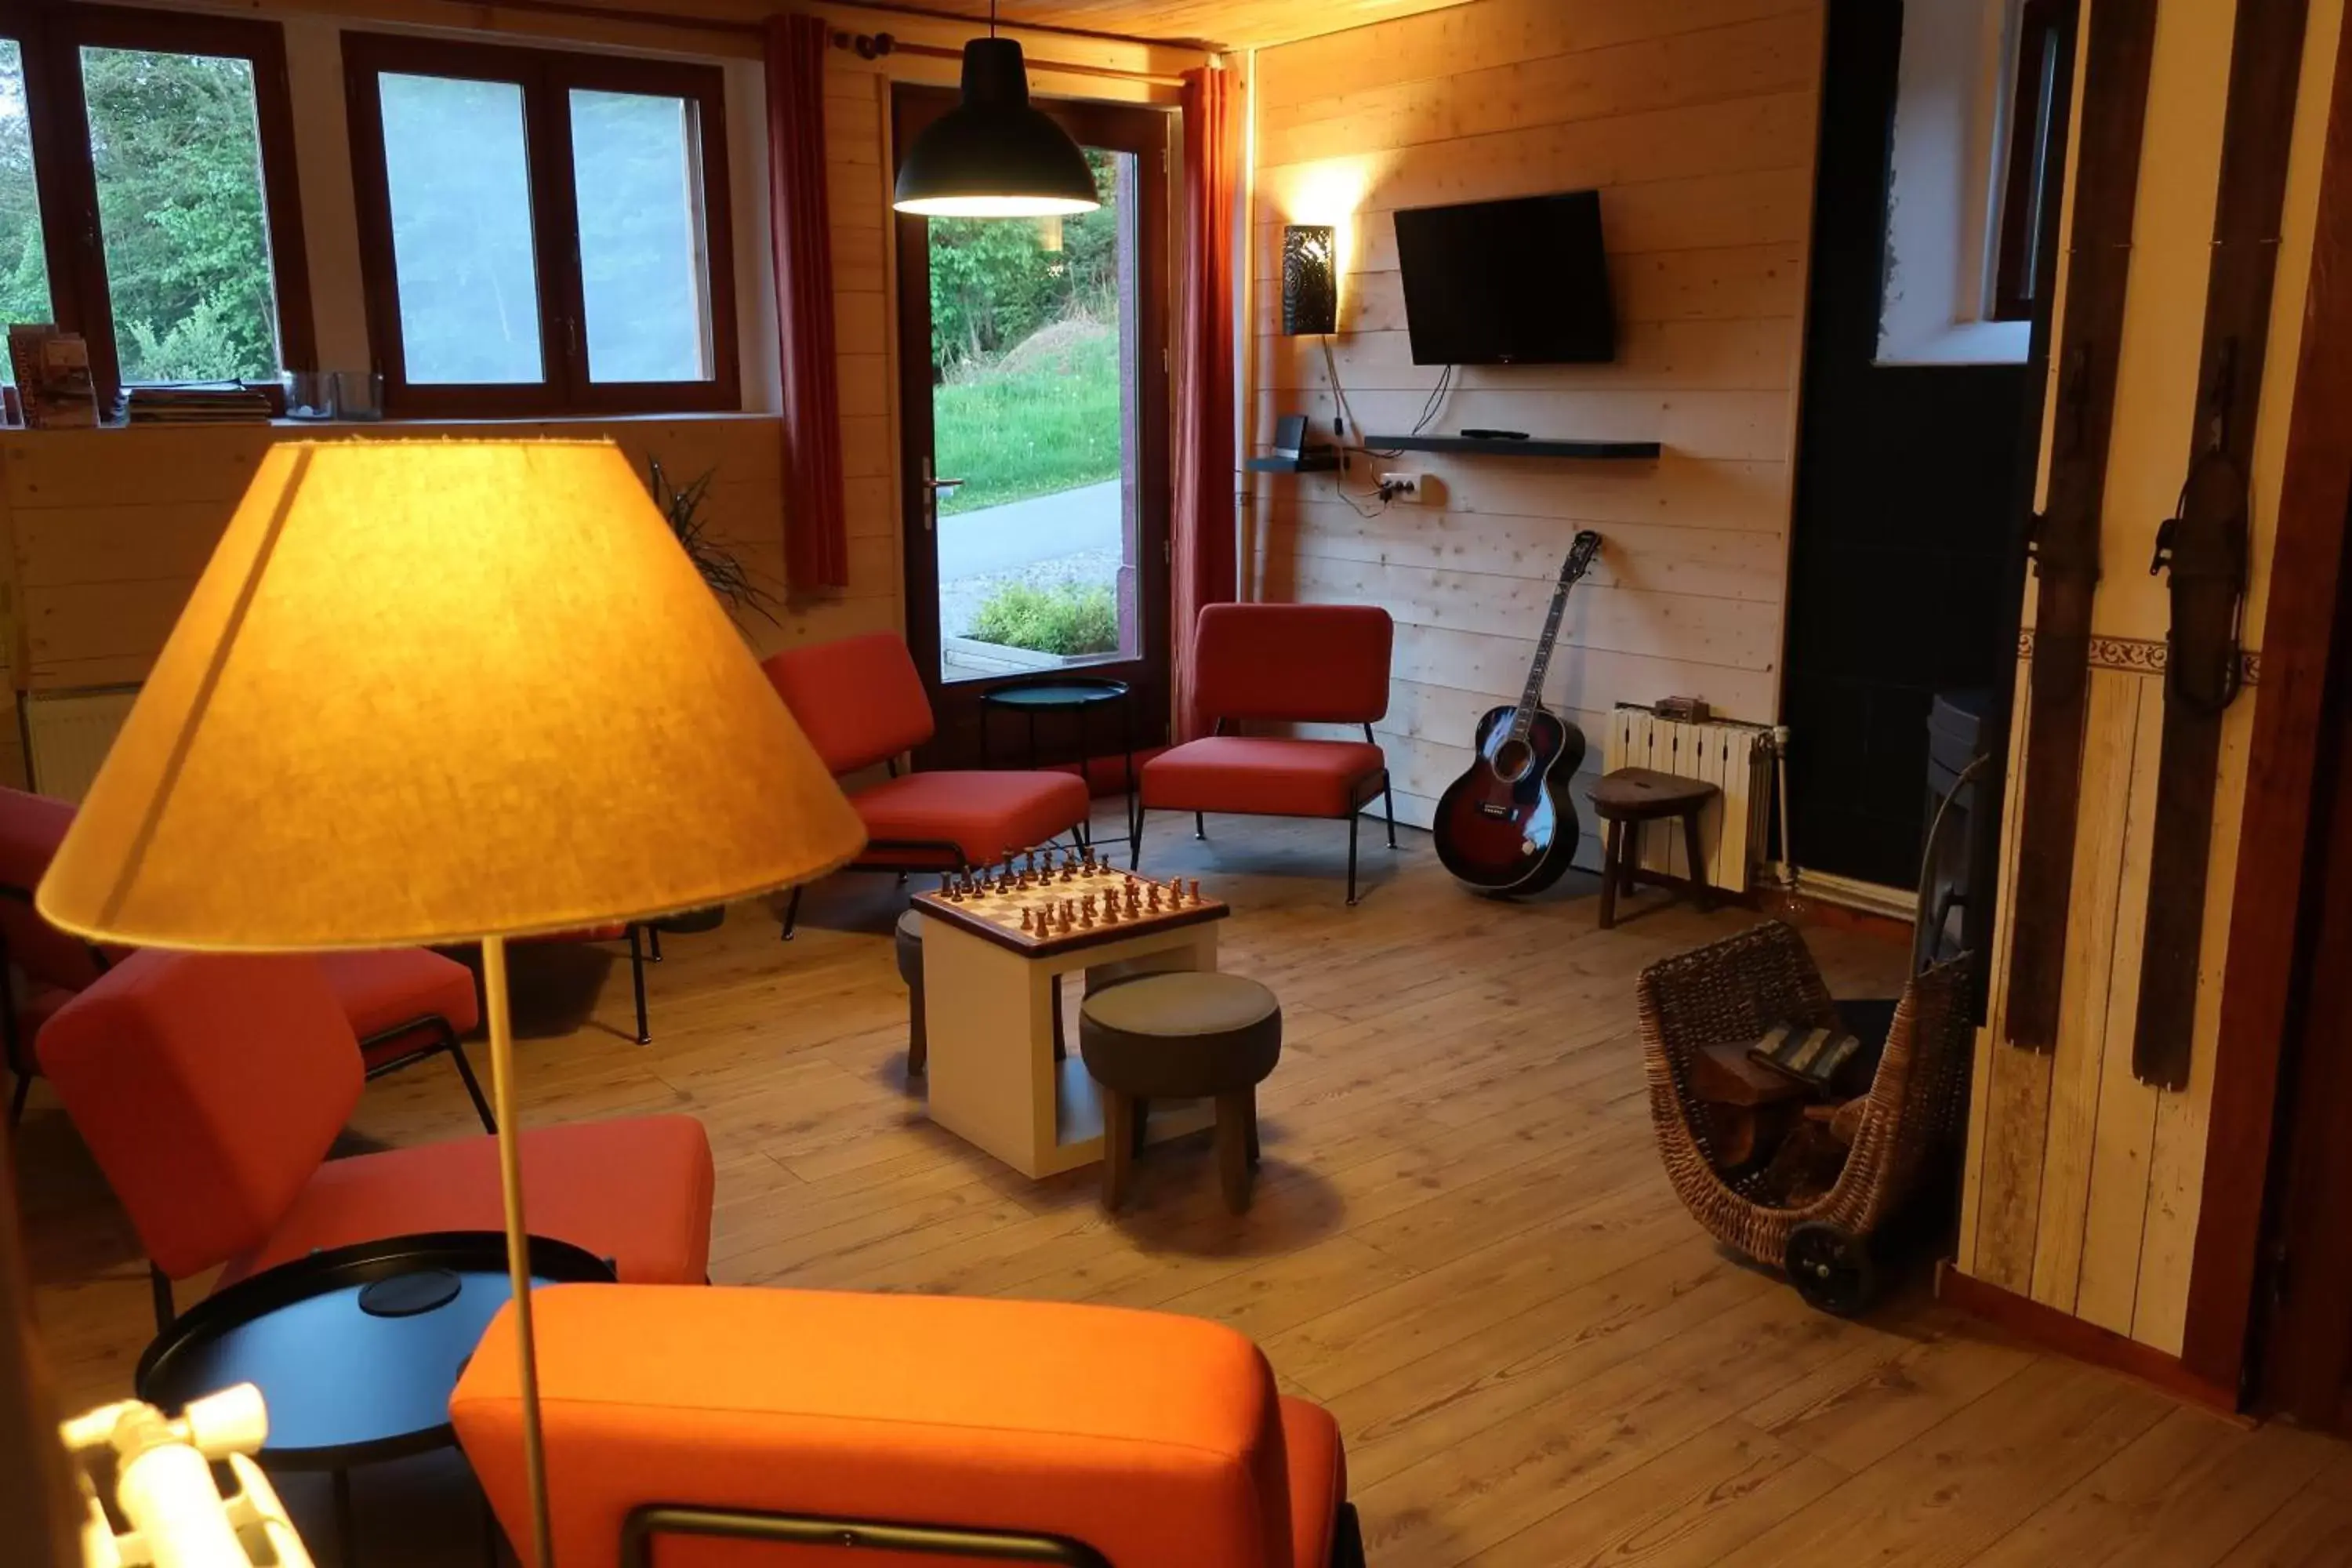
1733	757
68	735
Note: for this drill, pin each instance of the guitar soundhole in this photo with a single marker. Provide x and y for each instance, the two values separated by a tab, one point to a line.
1512	759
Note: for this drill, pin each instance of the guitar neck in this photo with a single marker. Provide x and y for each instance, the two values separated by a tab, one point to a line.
1532	697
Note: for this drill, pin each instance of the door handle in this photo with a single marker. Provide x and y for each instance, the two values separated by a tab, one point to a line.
932	489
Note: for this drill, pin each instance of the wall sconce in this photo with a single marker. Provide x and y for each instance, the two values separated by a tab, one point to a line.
1310	284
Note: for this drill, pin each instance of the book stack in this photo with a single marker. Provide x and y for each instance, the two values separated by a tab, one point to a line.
193	403
53	381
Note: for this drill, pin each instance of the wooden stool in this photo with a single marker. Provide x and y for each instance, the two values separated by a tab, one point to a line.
1190	1035
1637	795
909	941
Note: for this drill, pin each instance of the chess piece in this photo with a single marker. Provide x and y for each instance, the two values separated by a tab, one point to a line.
1110	911
1134	898
1063	922
1087	915
1025	919
1196	893
1155	898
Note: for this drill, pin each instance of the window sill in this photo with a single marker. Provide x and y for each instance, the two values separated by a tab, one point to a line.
341	428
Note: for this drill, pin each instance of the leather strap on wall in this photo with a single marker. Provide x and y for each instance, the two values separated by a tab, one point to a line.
2121	41
2204	547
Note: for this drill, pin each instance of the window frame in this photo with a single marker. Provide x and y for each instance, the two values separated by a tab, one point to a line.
2040	97
546	77
64	173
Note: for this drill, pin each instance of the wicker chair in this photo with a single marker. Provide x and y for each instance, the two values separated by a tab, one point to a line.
1734	990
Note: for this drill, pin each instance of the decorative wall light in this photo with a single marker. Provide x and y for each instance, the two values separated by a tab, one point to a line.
1310	284
993	155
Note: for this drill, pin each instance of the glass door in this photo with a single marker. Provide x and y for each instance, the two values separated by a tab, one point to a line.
1035	422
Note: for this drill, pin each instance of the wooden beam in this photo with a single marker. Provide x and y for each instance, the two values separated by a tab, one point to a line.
2290	723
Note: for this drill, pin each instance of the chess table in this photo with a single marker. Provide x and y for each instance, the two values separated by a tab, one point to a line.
996	946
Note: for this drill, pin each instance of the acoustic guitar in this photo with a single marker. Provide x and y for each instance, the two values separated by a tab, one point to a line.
1507	826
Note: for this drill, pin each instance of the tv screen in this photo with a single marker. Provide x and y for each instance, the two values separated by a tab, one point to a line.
1511	282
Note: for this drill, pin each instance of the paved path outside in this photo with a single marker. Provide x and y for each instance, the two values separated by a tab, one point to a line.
1005	537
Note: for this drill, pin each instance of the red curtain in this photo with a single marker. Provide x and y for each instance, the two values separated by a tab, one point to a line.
1203	518
816	527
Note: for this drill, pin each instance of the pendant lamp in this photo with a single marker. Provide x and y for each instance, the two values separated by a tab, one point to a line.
992	156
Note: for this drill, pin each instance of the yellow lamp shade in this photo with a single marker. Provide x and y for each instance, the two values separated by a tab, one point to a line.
440	690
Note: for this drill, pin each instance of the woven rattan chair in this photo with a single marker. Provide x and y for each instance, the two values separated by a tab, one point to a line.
1734	990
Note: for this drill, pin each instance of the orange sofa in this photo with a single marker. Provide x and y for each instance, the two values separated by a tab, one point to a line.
1032	1431
1283	664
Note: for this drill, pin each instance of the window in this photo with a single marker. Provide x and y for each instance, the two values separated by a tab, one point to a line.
2038	104
24	260
542	231
147	193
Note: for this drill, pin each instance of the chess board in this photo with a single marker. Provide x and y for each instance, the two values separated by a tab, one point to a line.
1055	901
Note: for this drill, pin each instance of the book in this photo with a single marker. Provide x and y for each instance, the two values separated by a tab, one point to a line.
52	370
1813	1057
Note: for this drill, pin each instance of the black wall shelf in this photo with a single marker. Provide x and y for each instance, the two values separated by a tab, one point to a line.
1306	463
1505	448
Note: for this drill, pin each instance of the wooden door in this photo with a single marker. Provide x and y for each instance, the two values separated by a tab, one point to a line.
1033	422
2304	1306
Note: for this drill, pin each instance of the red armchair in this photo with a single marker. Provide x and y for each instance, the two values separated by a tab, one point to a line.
405	1004
1283	664
914	1426
860	701
209	1088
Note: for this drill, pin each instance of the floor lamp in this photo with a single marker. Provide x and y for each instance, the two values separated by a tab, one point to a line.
446	691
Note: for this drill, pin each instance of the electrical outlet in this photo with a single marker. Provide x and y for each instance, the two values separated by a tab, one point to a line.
1404	490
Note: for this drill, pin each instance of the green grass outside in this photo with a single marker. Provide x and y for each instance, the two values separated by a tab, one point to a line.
1048	424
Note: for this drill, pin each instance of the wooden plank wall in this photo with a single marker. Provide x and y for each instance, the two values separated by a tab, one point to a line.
2083	1184
1696	119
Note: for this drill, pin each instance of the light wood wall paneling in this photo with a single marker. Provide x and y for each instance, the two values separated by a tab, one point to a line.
1696	119
2083	1184
2110	739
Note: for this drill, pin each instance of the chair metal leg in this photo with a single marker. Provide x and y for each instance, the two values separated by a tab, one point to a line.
160	1288
1388	805
637	980
473	1084
653	944
792	912
1200	824
1352	817
16	1098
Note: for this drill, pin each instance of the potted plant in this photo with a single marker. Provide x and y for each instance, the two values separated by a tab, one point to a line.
726	576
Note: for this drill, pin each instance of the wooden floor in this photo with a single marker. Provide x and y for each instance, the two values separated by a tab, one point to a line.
1463	1243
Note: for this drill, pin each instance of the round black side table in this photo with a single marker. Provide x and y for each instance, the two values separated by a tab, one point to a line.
356	1351
1080	695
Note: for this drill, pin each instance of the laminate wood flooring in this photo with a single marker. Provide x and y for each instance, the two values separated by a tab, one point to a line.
1463	1242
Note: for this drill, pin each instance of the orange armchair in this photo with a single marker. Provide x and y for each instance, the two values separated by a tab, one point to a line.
1283	664
210	1088
860	701
1013	1431
405	1004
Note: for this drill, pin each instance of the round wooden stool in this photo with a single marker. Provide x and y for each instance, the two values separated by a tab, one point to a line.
1186	1035
1637	795
909	941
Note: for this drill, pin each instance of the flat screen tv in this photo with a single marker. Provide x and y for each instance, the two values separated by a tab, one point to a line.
1511	282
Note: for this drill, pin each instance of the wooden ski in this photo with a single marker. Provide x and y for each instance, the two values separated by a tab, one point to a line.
2065	545
2203	546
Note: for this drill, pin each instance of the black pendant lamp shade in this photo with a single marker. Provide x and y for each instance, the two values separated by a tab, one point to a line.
992	156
